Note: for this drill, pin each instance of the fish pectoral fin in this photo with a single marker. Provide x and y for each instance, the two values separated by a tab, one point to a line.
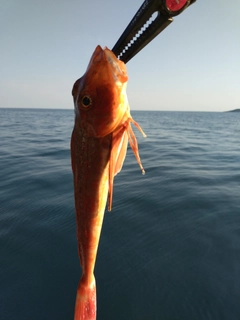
133	142
119	150
117	157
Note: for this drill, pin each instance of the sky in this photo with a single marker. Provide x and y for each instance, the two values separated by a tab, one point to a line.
193	65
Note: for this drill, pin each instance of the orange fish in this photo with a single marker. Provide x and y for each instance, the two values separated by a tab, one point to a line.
99	142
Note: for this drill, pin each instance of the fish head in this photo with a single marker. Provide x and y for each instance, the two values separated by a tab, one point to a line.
99	96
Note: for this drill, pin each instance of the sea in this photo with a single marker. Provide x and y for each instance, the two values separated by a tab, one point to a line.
170	247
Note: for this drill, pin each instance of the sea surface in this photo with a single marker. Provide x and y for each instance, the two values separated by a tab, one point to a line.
169	249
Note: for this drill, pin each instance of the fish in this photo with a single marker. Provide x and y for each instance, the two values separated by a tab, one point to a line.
100	136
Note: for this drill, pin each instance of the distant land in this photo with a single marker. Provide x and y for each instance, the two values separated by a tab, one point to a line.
235	110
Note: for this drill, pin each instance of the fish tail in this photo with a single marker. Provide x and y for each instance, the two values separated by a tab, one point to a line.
86	302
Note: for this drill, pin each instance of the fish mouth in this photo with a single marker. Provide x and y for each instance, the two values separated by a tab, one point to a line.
106	59
117	67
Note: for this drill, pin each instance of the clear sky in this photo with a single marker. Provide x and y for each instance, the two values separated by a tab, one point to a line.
193	65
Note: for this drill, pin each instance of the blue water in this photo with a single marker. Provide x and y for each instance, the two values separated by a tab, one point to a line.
170	248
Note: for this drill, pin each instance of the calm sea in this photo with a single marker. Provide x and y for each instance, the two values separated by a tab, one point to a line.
170	248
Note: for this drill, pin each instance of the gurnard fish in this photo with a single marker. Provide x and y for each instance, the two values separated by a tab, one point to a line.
99	142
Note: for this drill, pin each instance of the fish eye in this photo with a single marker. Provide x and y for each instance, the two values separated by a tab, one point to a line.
86	101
